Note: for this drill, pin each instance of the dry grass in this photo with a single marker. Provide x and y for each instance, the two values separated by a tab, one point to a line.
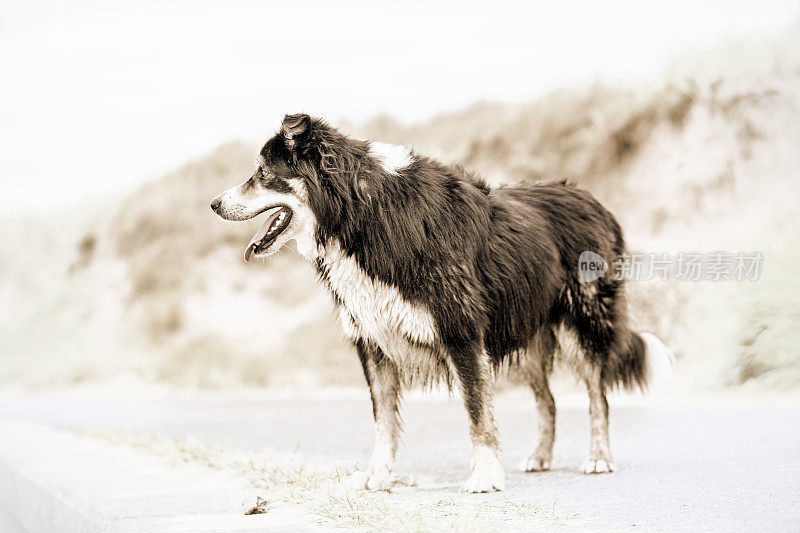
770	337
281	478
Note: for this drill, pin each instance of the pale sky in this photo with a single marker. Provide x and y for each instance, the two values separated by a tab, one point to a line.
96	98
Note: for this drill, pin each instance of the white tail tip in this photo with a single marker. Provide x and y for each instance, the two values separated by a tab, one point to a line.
660	363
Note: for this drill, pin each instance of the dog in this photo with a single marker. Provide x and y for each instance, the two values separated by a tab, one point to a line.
438	277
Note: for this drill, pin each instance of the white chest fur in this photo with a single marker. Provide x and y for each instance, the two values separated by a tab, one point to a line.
374	310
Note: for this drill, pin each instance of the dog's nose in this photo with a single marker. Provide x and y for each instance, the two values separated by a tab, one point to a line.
215	203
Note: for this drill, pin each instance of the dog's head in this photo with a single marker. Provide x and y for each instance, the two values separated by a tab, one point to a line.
279	187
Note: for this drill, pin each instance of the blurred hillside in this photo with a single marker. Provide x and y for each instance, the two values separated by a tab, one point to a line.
152	288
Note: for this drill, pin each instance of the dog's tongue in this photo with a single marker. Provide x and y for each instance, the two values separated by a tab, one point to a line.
260	234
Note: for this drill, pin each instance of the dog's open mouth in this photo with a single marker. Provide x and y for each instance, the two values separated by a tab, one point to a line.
276	222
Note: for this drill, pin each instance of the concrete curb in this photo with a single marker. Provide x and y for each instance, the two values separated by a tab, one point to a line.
59	481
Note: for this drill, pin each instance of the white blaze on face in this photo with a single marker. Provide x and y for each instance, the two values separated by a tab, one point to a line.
392	157
251	199
247	200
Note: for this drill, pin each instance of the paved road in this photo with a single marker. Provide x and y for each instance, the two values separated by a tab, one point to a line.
720	467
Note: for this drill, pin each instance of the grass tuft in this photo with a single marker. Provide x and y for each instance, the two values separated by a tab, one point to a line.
287	479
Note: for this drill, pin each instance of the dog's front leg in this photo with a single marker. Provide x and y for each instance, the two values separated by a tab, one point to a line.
383	379
476	381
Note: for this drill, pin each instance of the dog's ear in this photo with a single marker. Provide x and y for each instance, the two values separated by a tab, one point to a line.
294	128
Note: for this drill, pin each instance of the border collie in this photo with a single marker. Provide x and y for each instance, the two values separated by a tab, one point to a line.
438	277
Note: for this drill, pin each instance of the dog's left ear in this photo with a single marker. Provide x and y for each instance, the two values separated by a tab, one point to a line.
294	128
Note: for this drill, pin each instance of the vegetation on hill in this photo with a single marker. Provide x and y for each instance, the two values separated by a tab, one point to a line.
154	286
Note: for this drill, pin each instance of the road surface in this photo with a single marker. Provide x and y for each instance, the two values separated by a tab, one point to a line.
725	466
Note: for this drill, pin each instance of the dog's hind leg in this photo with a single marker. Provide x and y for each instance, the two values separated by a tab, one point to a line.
383	379
537	368
476	379
599	460
588	340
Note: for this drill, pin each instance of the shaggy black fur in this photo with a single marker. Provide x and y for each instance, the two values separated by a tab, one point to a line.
494	266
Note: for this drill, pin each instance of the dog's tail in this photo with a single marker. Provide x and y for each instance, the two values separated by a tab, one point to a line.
644	362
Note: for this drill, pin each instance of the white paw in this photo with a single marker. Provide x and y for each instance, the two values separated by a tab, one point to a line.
534	463
487	476
597	466
378	479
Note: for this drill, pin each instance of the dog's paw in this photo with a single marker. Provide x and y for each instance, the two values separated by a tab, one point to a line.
535	463
487	476
597	466
379	479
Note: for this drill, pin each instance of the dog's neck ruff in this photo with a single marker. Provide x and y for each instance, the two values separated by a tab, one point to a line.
370	308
